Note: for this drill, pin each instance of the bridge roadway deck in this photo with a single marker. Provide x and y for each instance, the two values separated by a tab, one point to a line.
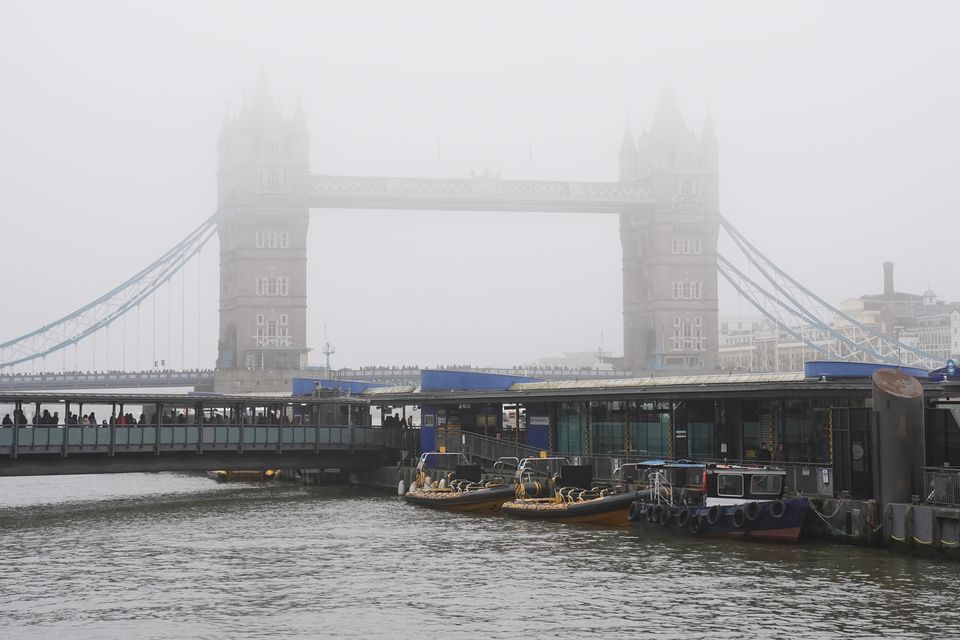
198	379
29	450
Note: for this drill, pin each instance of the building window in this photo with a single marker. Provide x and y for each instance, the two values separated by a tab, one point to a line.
267	286
283	319
686	246
687	290
273	239
259	318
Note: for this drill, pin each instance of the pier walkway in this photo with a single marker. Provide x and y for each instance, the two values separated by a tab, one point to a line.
188	432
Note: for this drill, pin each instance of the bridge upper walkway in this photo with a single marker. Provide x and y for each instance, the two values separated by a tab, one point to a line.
480	192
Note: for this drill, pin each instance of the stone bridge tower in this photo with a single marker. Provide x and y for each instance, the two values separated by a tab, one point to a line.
670	305
262	178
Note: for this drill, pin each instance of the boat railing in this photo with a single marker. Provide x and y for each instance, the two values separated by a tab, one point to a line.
440	460
540	467
662	488
605	466
942	485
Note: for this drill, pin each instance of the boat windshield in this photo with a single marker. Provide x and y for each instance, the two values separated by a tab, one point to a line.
540	467
766	484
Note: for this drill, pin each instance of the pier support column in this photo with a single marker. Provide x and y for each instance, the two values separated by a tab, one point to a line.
898	436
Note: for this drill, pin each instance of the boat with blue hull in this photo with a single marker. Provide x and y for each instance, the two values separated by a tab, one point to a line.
737	502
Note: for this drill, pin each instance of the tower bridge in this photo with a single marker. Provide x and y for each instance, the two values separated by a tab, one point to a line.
666	197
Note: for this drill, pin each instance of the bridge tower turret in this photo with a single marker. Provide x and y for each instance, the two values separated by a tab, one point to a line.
670	304
264	160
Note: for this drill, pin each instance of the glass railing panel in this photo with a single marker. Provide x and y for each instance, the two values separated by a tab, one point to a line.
28	437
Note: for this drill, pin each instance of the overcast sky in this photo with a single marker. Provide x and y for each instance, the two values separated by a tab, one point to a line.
838	123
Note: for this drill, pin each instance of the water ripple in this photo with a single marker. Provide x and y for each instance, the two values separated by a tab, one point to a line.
175	556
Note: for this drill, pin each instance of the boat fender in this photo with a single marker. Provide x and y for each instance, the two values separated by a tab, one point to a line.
753	511
427	481
713	514
442	484
696	523
778	508
413	486
633	513
401	489
739	517
665	515
683	518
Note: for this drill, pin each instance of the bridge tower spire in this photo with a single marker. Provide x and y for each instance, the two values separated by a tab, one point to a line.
264	160
670	304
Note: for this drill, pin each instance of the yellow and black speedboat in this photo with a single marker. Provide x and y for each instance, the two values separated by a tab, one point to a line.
462	489
572	497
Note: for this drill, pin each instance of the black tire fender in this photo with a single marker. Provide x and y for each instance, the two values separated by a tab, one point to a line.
778	508
665	515
696	523
739	517
713	514
683	518
752	510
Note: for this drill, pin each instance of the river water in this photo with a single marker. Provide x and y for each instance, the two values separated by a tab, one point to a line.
179	556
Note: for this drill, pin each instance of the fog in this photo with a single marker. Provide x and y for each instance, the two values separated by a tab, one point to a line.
838	125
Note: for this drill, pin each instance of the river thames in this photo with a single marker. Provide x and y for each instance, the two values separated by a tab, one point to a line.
179	556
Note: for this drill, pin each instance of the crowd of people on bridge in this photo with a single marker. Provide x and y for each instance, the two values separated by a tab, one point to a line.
46	419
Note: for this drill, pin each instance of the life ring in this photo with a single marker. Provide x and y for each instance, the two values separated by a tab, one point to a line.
739	517
665	515
683	518
633	513
778	508
713	514
753	510
696	523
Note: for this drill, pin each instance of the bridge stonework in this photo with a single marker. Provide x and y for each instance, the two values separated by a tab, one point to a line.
670	302
264	162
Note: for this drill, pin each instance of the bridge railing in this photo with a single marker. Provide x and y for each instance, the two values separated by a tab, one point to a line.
68	440
485	448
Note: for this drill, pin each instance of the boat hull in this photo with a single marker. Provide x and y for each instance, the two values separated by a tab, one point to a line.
478	501
765	526
609	511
